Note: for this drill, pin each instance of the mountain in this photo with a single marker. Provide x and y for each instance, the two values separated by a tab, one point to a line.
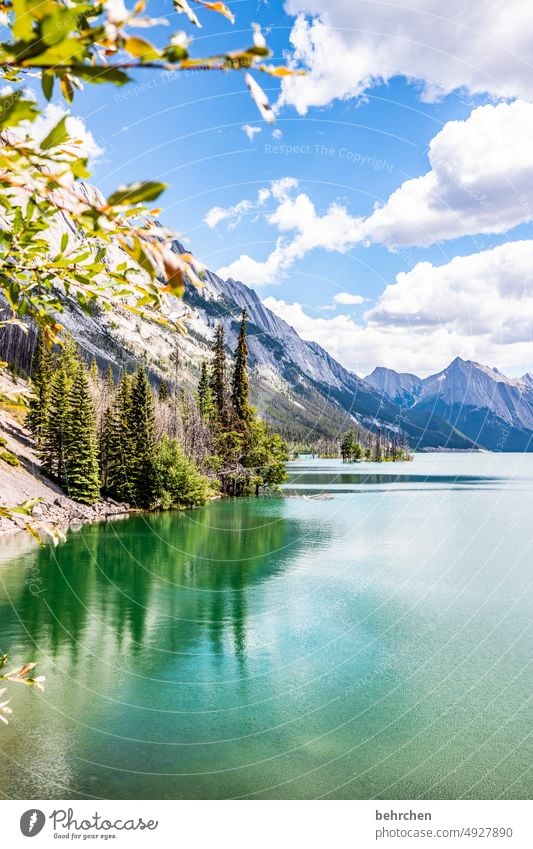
401	387
495	411
296	385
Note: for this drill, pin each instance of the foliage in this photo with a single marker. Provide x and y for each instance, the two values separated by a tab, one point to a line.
204	397
82	473
142	472
219	379
248	456
73	44
19	675
239	384
9	458
179	483
374	447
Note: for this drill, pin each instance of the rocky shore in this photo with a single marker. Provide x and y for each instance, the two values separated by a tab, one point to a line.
22	481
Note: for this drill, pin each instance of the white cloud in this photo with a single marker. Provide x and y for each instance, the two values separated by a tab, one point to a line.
350	45
251	131
481	181
479	307
278	189
335	230
347	298
277	134
50	116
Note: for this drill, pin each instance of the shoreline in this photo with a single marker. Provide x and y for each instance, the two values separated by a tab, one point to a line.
51	519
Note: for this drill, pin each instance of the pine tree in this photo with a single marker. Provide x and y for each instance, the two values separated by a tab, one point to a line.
52	441
116	467
219	381
109	382
348	446
240	389
378	453
141	428
81	453
163	392
52	451
205	395
94	371
41	376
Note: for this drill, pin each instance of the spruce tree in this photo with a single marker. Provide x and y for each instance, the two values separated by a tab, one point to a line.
94	371
205	395
141	429
218	381
240	389
118	444
53	439
41	376
81	452
163	392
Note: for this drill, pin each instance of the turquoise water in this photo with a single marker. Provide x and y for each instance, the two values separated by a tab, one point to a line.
368	637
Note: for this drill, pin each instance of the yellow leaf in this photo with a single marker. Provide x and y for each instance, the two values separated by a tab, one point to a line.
281	71
221	8
141	48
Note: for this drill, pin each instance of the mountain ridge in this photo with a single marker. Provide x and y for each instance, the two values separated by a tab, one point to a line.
494	410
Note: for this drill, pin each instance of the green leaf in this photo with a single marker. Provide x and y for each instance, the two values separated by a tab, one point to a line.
96	74
64	242
79	170
23	23
57	26
47	84
56	136
68	52
13	110
136	193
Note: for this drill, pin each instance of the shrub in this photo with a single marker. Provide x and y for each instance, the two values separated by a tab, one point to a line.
179	482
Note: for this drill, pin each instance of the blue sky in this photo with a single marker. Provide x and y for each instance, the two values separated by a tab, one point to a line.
383	85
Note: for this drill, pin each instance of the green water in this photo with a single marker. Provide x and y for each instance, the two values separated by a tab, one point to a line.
373	643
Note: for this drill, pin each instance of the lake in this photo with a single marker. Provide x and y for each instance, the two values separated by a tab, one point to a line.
366	636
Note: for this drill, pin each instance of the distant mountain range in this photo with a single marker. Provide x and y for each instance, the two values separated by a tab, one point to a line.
295	384
494	411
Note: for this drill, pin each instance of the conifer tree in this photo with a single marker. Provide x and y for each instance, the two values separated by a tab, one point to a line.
118	445
52	447
205	395
94	371
141	429
219	381
81	453
41	376
240	389
163	392
53	441
109	382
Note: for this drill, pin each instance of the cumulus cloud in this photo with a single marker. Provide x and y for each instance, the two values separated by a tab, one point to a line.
278	189
481	181
251	131
50	116
479	307
350	45
347	298
335	230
